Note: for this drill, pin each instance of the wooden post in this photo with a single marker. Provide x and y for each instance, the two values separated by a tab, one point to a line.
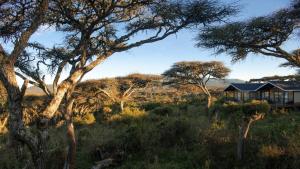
283	98
293	98
242	96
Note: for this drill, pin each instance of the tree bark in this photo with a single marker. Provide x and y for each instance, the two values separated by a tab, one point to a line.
40	154
71	155
208	106
243	133
2	126
209	101
14	103
17	132
122	105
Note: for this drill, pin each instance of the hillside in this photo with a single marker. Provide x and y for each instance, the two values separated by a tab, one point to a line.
33	90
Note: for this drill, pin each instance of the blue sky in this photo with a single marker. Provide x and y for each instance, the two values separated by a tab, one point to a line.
157	57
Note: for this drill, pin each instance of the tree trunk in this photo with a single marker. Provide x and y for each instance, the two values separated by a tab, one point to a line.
15	118
122	105
243	133
208	106
18	134
71	155
209	101
39	156
241	144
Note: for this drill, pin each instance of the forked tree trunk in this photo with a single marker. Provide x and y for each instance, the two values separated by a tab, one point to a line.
18	134
243	133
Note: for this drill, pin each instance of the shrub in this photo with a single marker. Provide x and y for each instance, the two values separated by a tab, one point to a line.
231	107
107	109
128	114
249	108
106	113
196	99
271	151
151	105
85	119
175	132
162	111
256	106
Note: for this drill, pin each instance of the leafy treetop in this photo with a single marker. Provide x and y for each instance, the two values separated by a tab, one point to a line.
264	35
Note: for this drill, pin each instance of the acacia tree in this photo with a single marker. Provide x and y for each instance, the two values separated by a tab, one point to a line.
19	20
261	35
196	73
121	89
95	31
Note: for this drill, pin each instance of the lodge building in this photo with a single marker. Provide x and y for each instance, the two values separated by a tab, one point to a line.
278	93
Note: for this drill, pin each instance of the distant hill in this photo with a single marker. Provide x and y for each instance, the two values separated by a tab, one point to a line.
211	84
223	83
33	90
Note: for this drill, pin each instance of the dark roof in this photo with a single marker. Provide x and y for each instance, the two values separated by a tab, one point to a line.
244	86
287	85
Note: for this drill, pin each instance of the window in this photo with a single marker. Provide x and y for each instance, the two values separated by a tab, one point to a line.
246	95
265	95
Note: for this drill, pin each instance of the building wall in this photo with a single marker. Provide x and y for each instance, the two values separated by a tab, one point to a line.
296	97
246	95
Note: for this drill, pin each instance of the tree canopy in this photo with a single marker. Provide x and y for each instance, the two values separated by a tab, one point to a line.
119	89
196	73
265	35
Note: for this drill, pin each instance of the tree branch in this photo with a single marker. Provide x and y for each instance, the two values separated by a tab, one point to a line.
21	44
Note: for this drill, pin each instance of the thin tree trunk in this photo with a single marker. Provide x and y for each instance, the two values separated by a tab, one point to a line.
122	105
71	155
243	133
209	101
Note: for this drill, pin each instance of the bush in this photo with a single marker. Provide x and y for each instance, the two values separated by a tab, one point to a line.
196	99
175	132
151	105
128	114
249	108
256	106
231	107
163	111
272	151
85	119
